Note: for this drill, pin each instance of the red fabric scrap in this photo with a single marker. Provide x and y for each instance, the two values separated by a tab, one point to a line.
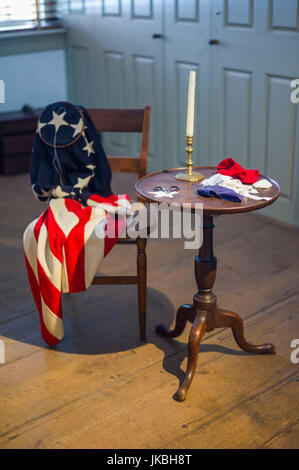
231	168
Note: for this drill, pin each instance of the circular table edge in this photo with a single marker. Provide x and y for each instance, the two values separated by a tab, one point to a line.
214	211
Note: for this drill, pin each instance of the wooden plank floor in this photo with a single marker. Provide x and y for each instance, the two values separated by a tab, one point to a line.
101	387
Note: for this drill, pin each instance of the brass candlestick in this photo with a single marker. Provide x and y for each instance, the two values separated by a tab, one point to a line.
190	175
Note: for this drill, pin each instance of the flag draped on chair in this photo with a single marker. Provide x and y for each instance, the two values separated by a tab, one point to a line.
65	245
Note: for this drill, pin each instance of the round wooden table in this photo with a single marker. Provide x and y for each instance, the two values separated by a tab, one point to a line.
204	314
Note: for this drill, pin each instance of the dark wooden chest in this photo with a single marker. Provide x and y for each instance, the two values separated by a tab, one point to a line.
17	131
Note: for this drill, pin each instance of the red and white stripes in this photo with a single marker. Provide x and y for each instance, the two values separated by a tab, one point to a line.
63	250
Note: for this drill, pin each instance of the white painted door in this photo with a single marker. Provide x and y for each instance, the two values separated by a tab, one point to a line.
187	26
243	106
120	51
117	60
253	118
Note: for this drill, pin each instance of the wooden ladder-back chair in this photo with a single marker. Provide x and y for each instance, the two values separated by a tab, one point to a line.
128	120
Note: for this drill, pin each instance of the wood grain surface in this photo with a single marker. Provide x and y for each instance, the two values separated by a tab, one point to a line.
102	387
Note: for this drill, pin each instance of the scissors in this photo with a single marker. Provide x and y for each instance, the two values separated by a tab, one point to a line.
167	191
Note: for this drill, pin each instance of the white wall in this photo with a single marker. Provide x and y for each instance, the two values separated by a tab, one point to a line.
36	78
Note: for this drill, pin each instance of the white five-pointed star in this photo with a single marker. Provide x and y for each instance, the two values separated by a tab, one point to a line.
44	193
82	182
88	147
91	167
57	192
78	127
163	193
58	120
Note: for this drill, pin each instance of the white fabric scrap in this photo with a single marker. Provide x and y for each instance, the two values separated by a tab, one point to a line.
262	184
163	193
245	190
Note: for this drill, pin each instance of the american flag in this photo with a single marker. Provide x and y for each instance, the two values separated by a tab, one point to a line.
63	250
65	245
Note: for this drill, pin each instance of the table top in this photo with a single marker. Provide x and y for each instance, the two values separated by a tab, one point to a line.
188	193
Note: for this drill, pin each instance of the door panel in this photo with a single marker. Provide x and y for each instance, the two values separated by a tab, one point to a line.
142	10
144	73
81	69
280	146
111	7
187	10
80	59
238	13
115	77
236	118
284	14
114	71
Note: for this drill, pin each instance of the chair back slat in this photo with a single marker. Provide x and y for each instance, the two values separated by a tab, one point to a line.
124	164
125	120
117	120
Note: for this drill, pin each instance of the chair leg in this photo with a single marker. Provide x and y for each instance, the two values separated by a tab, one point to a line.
141	284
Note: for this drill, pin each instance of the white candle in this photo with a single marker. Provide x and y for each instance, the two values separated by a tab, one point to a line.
190	108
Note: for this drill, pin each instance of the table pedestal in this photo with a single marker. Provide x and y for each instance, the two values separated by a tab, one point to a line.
204	313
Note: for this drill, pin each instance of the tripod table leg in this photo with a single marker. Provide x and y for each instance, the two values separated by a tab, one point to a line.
232	320
197	332
185	313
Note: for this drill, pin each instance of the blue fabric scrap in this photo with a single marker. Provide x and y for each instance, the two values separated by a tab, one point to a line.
221	192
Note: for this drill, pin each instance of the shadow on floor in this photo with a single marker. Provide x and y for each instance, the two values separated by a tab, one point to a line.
85	333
